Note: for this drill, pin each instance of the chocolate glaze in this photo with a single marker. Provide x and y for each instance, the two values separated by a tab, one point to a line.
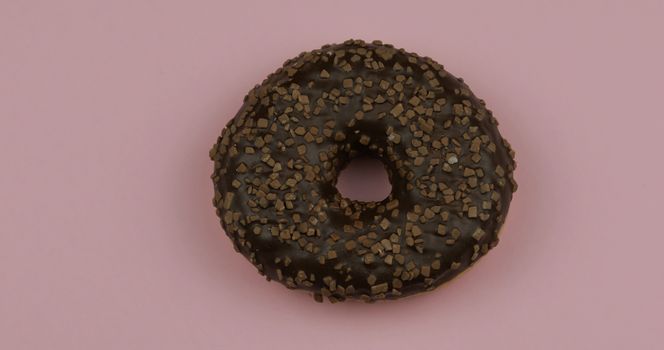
277	162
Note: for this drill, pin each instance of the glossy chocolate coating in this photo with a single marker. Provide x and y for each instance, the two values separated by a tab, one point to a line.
277	162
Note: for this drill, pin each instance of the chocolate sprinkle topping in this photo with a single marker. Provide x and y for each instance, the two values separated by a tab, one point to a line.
277	161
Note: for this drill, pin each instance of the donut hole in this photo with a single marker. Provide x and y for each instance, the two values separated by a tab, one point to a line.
364	179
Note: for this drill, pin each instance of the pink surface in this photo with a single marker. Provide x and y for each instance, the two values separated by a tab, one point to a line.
107	235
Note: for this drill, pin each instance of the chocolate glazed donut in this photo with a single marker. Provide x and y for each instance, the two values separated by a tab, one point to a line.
276	165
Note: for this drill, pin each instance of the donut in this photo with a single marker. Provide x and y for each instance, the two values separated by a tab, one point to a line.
277	161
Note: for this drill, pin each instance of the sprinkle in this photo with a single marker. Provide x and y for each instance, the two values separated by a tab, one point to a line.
392	204
348	83
397	110
371	279
262	123
472	212
379	288
478	234
414	101
452	159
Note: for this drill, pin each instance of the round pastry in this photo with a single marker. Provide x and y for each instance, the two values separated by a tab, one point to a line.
277	161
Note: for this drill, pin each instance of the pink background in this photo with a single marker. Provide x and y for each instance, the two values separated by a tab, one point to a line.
107	235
